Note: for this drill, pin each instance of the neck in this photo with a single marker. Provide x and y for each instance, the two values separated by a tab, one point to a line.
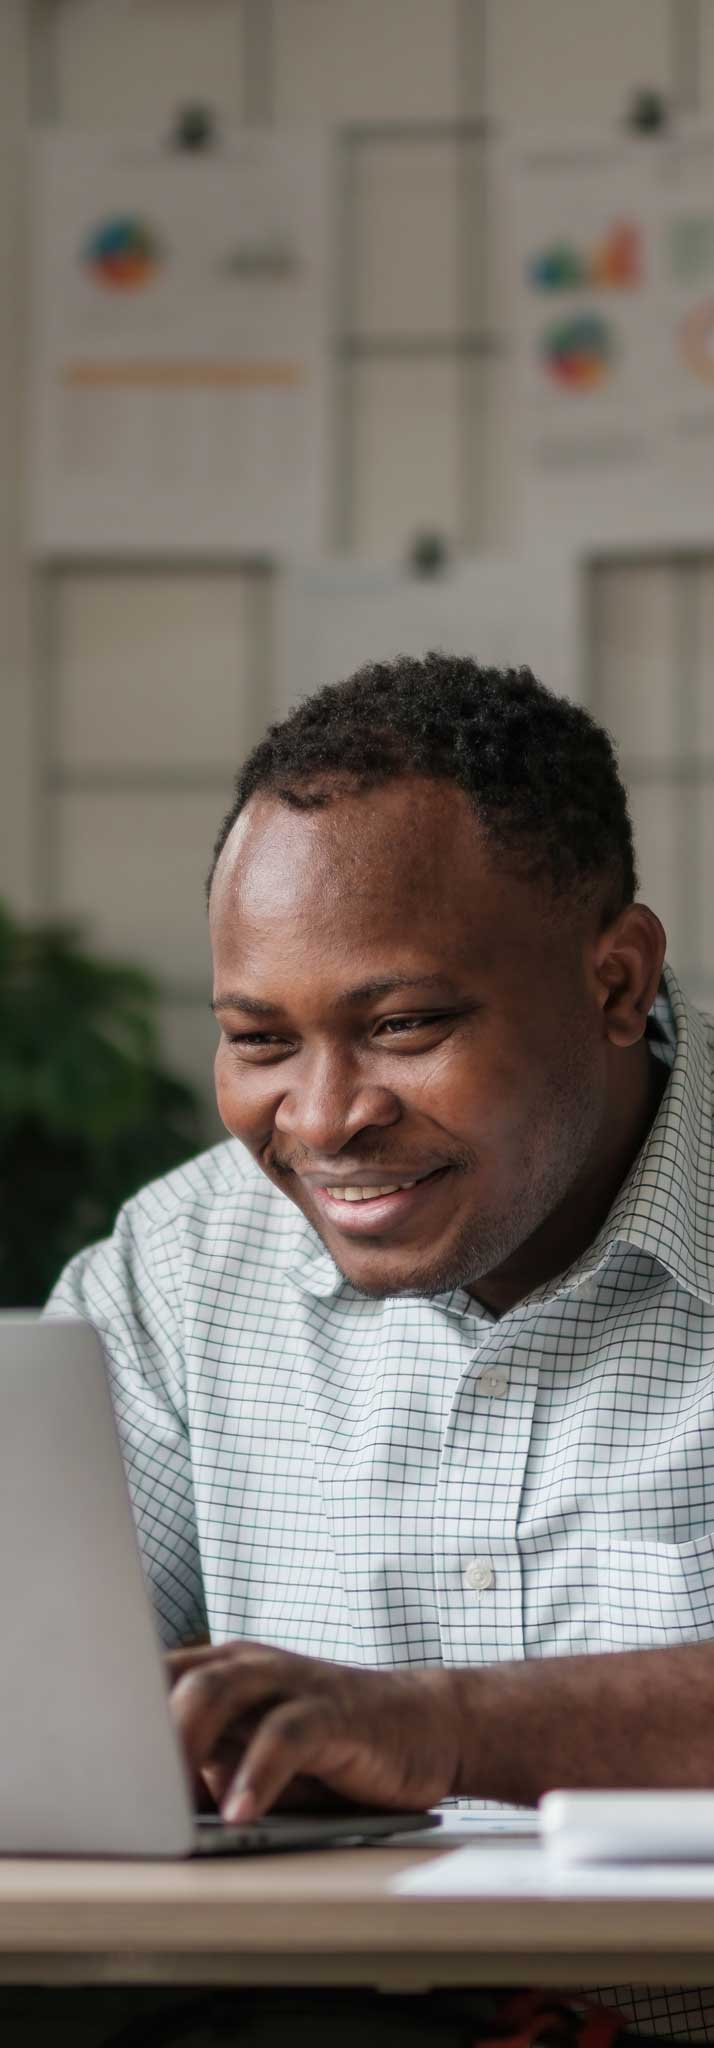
567	1233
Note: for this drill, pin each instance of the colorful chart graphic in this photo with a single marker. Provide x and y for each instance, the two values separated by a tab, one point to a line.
696	340
578	353
123	253
614	264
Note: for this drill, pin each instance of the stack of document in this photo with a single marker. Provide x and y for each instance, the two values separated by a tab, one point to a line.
604	1845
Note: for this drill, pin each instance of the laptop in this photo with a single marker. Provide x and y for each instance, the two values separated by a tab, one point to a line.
90	1763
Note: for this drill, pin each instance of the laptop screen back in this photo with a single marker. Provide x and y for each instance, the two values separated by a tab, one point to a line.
89	1763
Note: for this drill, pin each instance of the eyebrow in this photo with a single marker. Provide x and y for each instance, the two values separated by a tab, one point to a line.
234	1000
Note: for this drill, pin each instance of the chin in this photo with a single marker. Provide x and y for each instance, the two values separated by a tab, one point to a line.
380	1278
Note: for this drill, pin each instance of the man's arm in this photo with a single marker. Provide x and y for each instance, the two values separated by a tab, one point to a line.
260	1721
636	1717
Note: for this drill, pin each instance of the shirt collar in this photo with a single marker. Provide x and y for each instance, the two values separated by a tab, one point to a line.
665	1206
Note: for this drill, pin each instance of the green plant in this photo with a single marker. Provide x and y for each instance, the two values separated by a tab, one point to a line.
88	1112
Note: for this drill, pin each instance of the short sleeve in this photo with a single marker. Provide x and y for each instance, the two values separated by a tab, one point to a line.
127	1287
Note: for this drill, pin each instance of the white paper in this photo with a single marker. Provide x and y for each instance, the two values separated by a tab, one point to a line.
180	344
527	1871
612	310
461	1824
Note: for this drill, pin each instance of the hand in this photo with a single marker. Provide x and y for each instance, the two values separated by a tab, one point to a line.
257	1723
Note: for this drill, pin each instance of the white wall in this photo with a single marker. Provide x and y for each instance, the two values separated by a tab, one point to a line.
142	689
17	736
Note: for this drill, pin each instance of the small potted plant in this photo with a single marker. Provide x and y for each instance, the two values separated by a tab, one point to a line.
88	1111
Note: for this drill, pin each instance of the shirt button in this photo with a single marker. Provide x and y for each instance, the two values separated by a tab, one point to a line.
492	1382
479	1575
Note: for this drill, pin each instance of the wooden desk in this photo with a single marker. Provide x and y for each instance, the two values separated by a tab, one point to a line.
327	1917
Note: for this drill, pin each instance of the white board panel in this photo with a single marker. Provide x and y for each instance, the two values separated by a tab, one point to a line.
366	60
705	77
151	672
563	61
406	215
132	867
407	453
333	617
635	682
114	62
703	597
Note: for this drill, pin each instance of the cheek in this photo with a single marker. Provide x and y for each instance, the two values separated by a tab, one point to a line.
501	1114
481	1088
233	1100
482	1100
221	1085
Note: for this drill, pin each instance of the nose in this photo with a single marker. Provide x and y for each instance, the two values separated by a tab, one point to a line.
330	1103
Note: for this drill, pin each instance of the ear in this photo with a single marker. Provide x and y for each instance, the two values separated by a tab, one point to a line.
627	965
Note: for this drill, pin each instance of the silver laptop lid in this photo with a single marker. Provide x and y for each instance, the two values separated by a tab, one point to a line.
89	1762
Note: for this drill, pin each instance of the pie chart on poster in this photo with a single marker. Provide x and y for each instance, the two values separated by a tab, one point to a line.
122	253
578	352
696	336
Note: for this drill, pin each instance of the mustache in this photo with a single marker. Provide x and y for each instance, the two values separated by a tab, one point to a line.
461	1162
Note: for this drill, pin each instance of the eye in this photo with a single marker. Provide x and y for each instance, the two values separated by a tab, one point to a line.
408	1023
252	1038
392	1025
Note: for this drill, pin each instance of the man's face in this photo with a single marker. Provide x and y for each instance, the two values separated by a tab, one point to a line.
483	1079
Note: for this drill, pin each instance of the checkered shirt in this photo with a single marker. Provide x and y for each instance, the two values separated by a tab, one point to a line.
413	1481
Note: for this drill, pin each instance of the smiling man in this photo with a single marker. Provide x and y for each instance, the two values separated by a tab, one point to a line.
415	1374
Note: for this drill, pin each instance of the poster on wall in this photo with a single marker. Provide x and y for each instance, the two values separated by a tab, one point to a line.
180	345
614	320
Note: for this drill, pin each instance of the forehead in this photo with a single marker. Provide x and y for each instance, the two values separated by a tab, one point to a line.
401	867
384	845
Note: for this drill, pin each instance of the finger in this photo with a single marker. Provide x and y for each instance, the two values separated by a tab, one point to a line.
190	1657
211	1703
295	1739
303	1794
217	1777
206	1794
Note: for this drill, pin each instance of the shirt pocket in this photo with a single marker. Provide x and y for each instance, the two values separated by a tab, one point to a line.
657	1593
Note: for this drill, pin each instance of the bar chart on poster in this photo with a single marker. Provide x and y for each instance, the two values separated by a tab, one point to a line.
180	345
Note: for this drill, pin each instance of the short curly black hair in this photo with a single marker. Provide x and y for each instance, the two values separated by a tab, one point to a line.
539	771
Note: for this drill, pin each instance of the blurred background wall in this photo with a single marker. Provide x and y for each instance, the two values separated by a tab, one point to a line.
113	782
